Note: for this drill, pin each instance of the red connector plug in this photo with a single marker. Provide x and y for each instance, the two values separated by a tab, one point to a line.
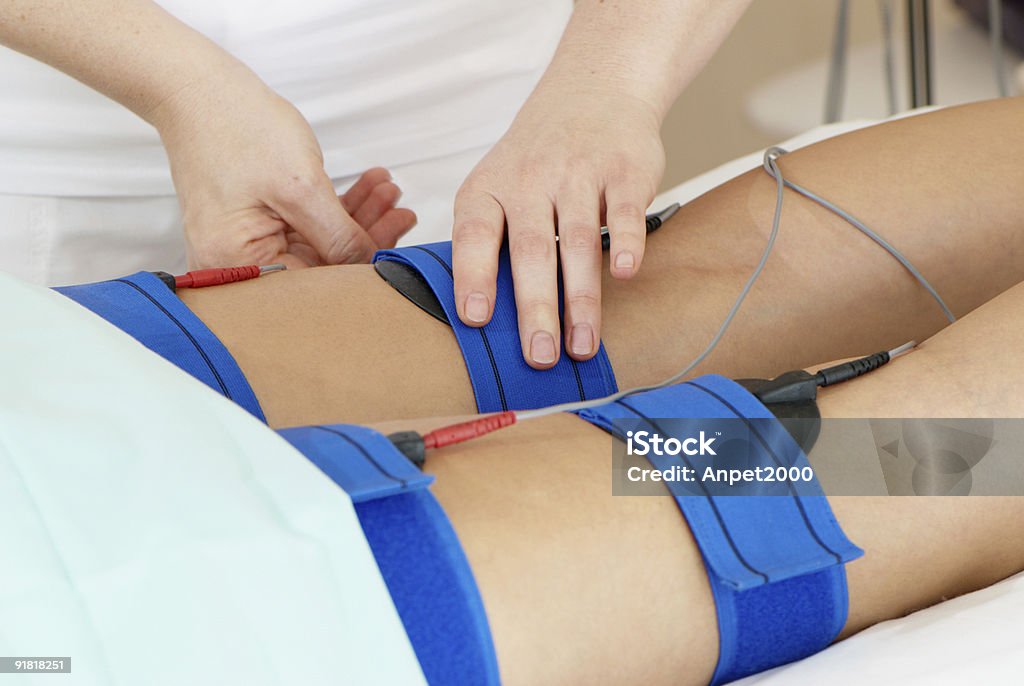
201	278
457	433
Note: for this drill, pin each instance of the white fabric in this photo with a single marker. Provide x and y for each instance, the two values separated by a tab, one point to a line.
58	241
158	534
974	639
423	88
383	82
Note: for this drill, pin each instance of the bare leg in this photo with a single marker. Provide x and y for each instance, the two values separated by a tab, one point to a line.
582	587
338	344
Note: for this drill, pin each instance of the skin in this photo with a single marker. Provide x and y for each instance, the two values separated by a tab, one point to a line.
617	70
585	149
616	592
335	344
273	202
622	577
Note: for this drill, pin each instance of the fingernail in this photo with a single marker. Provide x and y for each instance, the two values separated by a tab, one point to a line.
625	260
542	348
581	339
476	307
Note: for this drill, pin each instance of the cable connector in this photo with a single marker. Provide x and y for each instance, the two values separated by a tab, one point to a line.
465	431
415	447
851	370
201	278
410	444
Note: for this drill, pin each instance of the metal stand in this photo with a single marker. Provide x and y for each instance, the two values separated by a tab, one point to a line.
920	35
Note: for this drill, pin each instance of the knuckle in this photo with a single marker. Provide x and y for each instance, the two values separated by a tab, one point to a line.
473	231
304	184
478	181
586	299
535	307
343	248
579	239
577	167
469	190
627	213
531	247
527	171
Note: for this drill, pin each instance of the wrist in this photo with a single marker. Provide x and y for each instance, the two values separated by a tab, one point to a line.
589	97
219	84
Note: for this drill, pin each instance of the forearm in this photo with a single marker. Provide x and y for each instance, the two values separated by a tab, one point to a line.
648	50
132	51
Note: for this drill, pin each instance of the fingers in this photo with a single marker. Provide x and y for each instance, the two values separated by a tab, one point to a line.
531	236
312	209
371	202
627	227
395	223
254	236
476	239
355	196
298	249
579	250
382	198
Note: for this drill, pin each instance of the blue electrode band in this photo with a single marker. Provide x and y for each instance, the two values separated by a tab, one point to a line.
774	562
144	307
417	551
500	376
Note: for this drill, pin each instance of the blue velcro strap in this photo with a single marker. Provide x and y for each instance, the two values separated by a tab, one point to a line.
144	307
362	461
775	562
416	549
501	378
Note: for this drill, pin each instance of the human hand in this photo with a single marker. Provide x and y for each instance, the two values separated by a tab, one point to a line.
370	201
250	178
569	162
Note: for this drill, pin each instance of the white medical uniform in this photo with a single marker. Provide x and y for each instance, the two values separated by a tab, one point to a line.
423	88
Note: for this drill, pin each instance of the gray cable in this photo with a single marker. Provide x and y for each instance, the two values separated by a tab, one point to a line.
837	66
995	35
770	165
860	226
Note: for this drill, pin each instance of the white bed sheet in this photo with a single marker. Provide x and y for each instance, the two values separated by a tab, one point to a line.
156	533
974	639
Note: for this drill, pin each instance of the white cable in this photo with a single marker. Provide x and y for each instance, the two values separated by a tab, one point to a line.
902	350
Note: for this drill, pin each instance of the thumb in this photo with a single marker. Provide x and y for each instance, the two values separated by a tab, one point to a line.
313	210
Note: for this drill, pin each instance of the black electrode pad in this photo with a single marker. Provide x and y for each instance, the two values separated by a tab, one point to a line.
800	417
408	281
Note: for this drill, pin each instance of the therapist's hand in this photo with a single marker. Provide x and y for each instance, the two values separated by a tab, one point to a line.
570	162
250	178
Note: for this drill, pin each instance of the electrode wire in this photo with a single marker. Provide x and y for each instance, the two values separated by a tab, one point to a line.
771	166
770	161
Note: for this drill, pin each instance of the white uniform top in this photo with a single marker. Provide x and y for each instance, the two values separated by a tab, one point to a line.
158	534
383	82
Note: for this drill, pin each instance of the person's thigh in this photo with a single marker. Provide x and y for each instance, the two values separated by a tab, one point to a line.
339	344
585	587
